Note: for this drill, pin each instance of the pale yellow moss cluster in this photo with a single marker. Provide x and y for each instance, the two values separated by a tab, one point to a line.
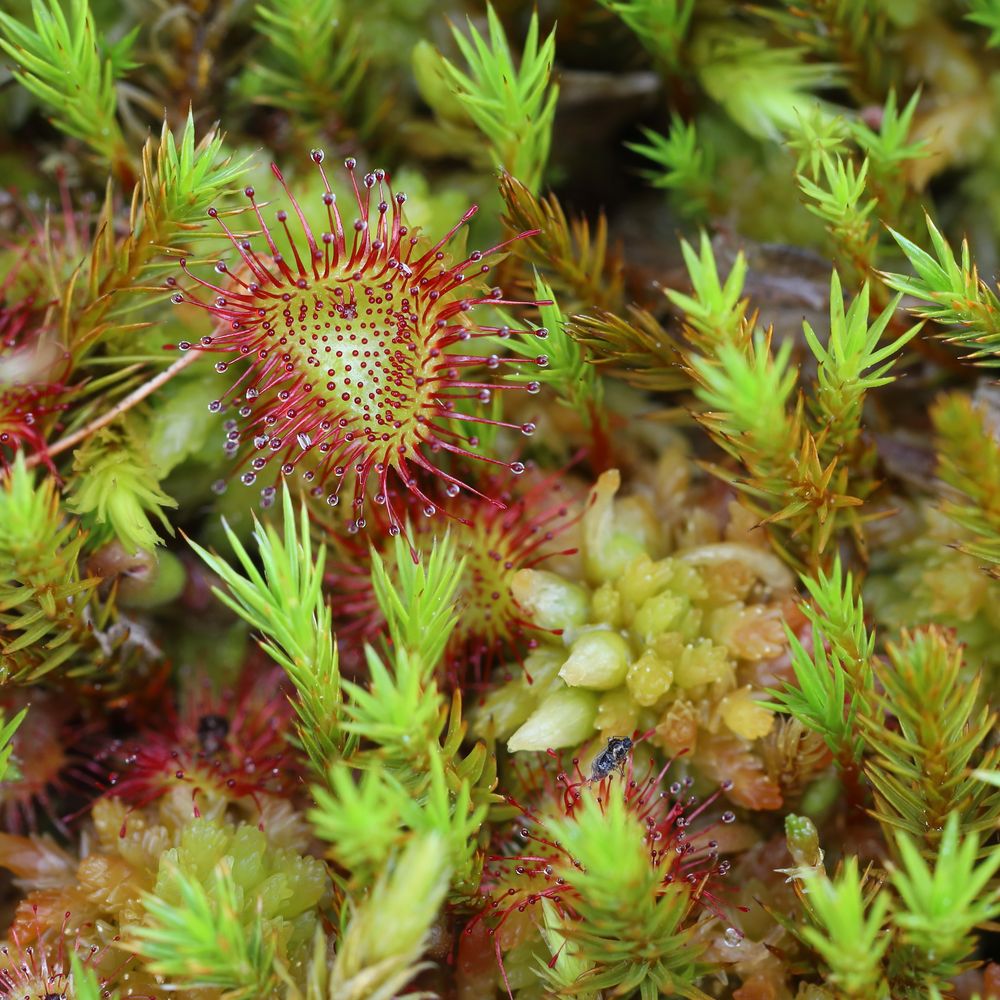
918	574
665	626
132	852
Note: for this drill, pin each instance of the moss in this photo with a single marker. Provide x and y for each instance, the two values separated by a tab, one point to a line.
618	602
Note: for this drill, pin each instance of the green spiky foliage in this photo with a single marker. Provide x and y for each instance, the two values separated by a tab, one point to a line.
86	985
849	33
511	106
311	63
630	934
116	491
8	727
573	256
570	371
808	468
904	935
200	940
61	62
374	962
888	150
685	167
285	605
839	196
849	932
762	88
940	906
415	778
969	462
49	609
103	290
179	180
918	769
634	347
835	681
746	463
950	293
921	772
986	13
389	753
660	27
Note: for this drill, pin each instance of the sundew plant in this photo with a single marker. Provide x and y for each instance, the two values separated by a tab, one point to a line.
499	500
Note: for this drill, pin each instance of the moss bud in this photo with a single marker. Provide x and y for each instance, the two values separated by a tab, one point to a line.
597	660
564	719
550	601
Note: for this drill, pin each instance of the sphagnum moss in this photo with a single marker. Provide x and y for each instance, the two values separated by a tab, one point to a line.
613	614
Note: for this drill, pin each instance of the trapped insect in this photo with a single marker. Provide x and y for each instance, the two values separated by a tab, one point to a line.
212	732
611	758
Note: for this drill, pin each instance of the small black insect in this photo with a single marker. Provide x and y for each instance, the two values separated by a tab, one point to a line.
611	758
212	732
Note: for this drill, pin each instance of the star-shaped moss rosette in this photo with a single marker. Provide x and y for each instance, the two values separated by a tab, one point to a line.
356	342
671	626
